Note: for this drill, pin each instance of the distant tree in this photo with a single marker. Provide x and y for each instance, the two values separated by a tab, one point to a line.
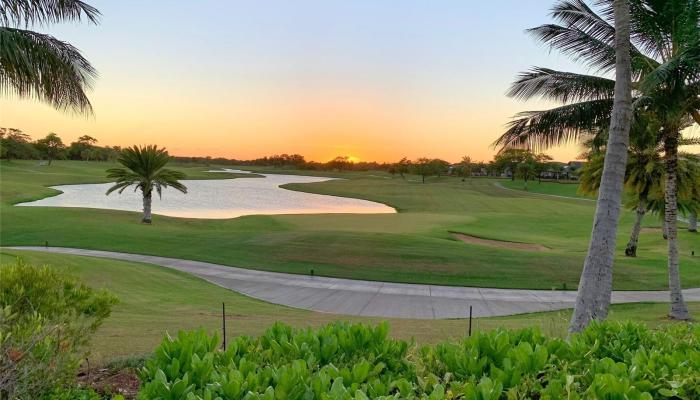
526	171
555	168
403	167
439	166
507	160
112	153
392	170
340	163
83	149
423	167
51	147
88	140
465	167
145	169
531	166
14	144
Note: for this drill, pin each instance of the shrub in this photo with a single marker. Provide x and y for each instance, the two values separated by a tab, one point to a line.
46	319
354	361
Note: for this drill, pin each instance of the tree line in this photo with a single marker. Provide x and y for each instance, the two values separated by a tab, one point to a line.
513	163
17	145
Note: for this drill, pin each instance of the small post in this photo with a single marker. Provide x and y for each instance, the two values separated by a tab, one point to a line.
311	272
470	320
46	244
223	321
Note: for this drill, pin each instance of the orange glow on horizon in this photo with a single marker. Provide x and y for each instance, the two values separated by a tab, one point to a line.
364	126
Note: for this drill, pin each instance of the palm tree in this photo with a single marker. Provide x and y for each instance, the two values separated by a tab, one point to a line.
37	65
644	177
145	170
665	59
595	287
695	206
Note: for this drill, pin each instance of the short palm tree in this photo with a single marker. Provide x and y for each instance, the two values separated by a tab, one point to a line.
40	66
665	57
145	169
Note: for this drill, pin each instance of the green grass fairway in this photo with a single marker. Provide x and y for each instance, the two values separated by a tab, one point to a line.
154	300
412	246
567	189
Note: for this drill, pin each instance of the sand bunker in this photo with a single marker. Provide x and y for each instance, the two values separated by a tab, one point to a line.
498	243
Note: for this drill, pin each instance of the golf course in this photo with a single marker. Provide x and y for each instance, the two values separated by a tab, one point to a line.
418	244
447	231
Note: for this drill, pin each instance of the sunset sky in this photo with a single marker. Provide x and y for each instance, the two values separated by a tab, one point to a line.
376	80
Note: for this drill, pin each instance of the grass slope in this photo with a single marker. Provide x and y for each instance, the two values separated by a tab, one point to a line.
412	246
155	300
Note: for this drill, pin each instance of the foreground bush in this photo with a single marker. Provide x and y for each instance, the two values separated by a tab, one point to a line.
354	361
46	319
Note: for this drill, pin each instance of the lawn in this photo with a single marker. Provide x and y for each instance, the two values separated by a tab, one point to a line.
564	188
414	245
155	300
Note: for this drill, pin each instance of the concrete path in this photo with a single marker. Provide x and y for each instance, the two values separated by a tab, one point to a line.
367	298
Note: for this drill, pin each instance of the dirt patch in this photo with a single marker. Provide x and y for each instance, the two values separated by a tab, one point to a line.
107	382
651	230
498	243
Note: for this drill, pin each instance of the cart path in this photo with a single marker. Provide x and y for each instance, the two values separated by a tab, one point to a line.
370	298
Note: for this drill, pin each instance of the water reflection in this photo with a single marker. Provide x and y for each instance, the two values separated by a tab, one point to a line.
218	199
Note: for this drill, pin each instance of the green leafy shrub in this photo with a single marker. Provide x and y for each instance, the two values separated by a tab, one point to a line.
46	319
355	361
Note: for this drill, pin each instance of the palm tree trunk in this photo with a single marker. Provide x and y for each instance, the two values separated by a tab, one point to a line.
147	200
693	222
631	249
678	308
595	285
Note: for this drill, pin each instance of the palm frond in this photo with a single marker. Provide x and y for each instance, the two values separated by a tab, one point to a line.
30	12
580	46
577	14
685	63
40	66
591	49
561	125
561	86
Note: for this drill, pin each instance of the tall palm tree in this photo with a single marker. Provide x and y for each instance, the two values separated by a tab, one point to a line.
665	59
595	286
145	169
40	66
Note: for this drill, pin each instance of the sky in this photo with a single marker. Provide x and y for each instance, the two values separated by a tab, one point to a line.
371	79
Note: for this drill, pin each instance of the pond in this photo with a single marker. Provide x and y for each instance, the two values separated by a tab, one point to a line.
218	198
